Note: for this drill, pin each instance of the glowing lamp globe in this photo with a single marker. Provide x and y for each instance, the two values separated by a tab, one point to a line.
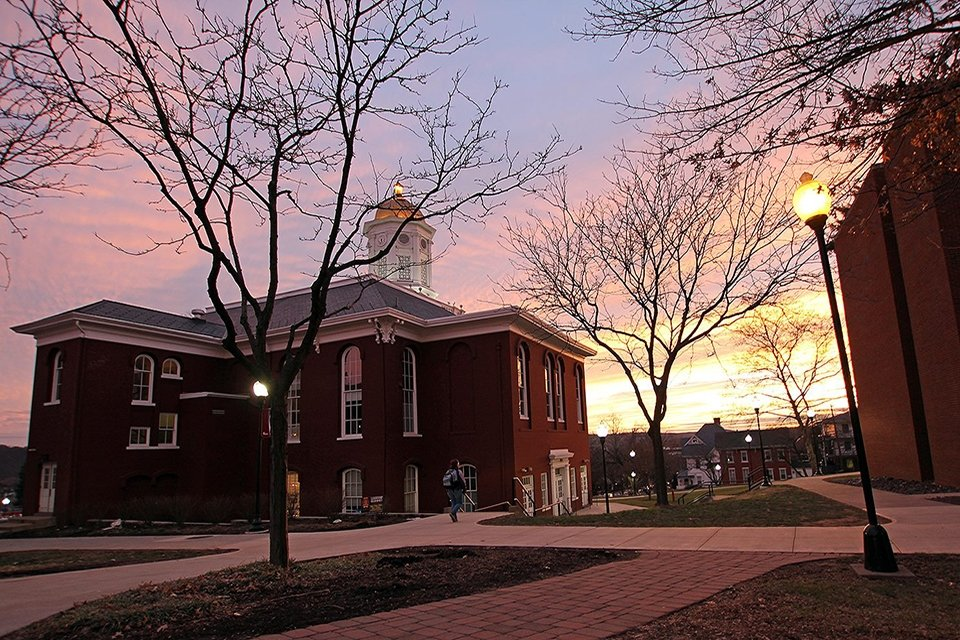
260	389
811	201
602	431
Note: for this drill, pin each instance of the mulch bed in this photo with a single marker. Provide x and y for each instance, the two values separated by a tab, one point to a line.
896	485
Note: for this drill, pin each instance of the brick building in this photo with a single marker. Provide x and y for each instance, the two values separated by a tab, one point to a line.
132	404
898	255
741	458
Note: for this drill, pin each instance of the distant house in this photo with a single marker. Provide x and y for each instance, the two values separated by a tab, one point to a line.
700	457
134	405
741	460
835	443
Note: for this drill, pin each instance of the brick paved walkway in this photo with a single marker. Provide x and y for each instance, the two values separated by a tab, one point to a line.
594	603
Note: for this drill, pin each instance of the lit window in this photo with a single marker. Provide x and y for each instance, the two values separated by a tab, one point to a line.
352	491
143	380
548	383
56	379
293	410
523	386
411	498
408	384
139	437
167	430
170	369
352	394
293	494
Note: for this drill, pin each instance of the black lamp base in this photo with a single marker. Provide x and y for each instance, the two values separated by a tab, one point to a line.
877	551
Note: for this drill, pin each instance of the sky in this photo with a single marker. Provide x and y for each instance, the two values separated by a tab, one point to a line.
553	83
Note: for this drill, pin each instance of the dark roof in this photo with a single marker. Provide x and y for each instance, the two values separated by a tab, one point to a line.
151	318
707	435
781	437
355	296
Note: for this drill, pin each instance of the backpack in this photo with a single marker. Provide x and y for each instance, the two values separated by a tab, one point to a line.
451	479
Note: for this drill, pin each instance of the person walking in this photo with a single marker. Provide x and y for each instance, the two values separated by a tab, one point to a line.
454	483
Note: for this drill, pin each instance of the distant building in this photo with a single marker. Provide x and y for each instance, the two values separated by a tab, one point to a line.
898	255
134	406
741	461
836	446
701	457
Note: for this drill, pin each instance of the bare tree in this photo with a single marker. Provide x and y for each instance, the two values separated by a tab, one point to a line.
837	74
250	121
40	137
654	266
790	352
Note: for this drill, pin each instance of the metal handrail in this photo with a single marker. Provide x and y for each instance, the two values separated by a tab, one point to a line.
558	502
505	502
529	495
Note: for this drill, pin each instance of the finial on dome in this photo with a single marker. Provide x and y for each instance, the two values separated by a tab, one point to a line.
398	189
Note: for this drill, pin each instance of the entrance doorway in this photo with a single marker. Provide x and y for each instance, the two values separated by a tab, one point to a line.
48	486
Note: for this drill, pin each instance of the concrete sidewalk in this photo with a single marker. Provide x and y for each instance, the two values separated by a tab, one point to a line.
919	525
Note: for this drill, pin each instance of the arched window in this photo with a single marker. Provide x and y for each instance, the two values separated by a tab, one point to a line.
523	381
558	391
548	377
143	380
352	491
170	369
293	410
578	375
56	377
470	500
408	384
411	489
352	394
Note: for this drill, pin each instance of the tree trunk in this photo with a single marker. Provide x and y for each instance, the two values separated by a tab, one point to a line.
279	544
659	467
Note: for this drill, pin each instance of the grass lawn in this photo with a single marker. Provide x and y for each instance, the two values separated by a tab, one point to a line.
779	506
825	599
258	599
811	601
14	564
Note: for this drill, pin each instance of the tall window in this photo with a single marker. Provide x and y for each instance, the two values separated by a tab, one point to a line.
167	430
352	393
56	377
170	369
523	381
143	379
548	366
470	501
408	384
293	410
578	375
558	389
528	504
352	491
411	498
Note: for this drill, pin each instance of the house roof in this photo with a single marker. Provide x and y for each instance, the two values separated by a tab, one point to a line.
781	437
133	314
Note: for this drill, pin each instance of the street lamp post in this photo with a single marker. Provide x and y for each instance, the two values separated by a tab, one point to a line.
748	439
763	455
812	203
602	432
260	391
633	476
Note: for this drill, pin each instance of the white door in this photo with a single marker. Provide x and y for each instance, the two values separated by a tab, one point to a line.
562	491
48	486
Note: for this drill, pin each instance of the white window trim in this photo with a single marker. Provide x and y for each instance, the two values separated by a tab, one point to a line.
343	394
56	379
548	365
170	376
294	386
146	445
744	456
176	424
416	488
578	375
51	403
413	391
149	385
343	490
523	384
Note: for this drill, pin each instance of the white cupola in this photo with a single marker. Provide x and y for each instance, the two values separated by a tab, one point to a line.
409	261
